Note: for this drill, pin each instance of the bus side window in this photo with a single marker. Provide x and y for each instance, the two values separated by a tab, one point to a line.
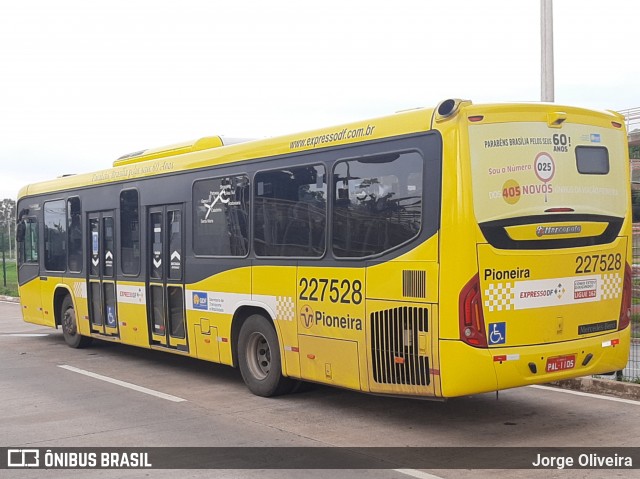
74	223
129	232
27	240
55	235
290	212
221	216
378	203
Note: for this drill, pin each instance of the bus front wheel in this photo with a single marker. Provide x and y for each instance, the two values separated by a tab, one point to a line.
259	358
72	336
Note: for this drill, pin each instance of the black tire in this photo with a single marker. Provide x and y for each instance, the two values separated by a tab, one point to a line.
259	358
70	325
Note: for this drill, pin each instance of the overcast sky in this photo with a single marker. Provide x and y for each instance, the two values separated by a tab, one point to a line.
83	82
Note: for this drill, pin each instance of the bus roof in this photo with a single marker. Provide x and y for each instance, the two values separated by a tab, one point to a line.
184	157
210	151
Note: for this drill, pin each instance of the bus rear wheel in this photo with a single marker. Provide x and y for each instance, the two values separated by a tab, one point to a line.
69	324
259	358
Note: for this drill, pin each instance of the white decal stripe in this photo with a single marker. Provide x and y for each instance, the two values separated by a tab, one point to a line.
80	289
543	293
270	302
224	303
131	294
278	307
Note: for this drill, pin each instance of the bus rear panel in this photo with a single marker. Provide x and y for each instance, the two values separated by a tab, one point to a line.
551	298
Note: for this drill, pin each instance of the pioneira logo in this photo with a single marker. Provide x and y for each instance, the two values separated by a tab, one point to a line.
557	230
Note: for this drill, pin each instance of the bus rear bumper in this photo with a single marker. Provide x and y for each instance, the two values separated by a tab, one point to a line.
553	362
502	368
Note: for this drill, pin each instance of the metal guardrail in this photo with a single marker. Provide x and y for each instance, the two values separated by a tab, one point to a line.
632	371
631	118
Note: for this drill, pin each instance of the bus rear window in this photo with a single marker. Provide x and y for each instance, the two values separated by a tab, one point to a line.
592	160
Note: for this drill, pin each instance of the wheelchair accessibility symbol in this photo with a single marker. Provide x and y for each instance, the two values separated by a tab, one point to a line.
497	333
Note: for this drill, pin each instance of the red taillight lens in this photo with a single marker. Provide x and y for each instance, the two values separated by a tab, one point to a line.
471	318
625	307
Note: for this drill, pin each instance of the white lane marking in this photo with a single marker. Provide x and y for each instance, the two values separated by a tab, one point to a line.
26	335
425	475
589	395
124	384
416	473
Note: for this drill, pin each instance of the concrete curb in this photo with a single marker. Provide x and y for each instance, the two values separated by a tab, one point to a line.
10	299
605	387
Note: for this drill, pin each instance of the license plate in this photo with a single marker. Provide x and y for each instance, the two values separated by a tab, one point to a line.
561	363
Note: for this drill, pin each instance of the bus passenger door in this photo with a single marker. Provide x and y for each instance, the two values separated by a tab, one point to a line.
29	269
101	288
165	308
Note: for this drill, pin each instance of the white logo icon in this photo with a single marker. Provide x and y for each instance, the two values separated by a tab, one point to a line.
23	458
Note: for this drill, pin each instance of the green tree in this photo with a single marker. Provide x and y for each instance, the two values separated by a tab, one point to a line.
7	226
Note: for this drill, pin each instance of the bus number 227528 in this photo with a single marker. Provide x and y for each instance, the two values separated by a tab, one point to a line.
598	262
335	290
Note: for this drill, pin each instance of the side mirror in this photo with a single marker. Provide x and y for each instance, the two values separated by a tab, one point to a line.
20	232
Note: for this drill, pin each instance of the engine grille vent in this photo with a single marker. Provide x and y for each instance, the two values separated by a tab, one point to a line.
395	346
414	284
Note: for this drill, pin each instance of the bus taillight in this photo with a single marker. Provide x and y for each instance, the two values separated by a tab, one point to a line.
625	307
471	318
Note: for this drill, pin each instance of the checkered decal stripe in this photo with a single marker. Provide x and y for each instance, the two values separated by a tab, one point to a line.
285	308
80	290
499	297
611	286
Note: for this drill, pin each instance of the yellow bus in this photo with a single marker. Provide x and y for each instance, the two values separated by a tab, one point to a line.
435	252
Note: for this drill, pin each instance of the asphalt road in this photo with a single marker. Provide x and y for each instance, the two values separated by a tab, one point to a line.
43	404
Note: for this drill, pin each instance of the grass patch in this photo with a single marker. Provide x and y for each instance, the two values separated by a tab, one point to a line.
12	279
